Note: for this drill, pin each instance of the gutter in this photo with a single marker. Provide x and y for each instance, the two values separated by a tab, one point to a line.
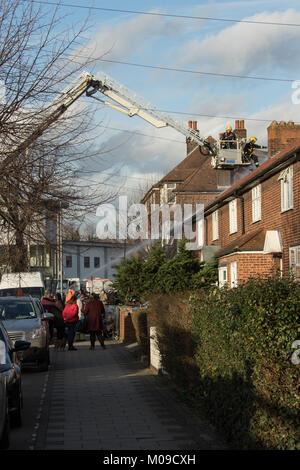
273	168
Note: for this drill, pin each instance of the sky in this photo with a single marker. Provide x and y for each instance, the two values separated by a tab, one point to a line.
139	152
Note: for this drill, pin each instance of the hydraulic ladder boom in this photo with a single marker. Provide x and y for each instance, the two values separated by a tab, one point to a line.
128	103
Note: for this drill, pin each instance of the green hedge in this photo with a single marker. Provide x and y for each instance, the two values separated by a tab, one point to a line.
172	318
140	323
247	383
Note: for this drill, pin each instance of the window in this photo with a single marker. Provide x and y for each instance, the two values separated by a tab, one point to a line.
233	216
86	261
69	261
233	274
256	203
215	228
96	262
200	233
286	178
222	276
167	195
39	256
295	262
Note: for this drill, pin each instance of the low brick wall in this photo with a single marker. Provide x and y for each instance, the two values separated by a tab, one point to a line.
127	331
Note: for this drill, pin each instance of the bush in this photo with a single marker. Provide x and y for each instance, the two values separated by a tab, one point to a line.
129	279
140	323
172	318
247	384
176	274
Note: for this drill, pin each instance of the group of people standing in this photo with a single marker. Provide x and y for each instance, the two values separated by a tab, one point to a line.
68	315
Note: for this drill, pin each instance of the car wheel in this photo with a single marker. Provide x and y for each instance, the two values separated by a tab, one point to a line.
4	440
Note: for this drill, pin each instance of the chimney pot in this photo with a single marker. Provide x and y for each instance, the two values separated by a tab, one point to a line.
190	124
195	125
237	124
242	124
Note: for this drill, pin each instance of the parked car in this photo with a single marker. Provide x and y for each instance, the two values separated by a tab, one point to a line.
11	399
24	319
15	284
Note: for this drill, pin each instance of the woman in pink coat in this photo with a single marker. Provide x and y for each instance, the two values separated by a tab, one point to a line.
94	312
70	316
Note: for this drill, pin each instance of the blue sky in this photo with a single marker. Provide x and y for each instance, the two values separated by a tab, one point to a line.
192	44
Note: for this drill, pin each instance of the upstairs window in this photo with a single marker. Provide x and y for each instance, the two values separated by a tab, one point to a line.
167	195
233	216
215	225
256	203
286	180
69	261
86	261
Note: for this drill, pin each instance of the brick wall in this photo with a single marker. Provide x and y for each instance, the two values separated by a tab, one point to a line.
127	331
251	265
281	135
288	223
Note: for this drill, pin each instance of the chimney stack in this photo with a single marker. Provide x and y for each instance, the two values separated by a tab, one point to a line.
281	135
240	131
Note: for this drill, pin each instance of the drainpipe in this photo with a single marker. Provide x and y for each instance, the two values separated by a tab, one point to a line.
242	212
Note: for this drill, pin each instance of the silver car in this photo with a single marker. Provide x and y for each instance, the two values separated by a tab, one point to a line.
24	319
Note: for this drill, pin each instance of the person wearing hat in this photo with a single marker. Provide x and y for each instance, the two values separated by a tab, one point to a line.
248	151
227	137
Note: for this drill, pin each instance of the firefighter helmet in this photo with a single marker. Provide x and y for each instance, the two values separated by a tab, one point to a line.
228	128
253	139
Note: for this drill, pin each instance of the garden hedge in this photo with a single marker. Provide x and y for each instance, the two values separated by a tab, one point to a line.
230	352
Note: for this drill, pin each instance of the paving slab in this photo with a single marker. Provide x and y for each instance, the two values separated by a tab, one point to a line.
107	400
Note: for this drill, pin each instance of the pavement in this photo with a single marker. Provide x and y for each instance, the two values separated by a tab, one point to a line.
108	400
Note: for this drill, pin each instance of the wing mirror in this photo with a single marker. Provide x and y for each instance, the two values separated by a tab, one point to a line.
47	316
21	345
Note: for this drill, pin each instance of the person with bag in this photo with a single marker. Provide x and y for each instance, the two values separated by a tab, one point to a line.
94	313
70	316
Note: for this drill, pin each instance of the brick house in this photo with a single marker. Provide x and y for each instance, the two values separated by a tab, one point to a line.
253	227
193	180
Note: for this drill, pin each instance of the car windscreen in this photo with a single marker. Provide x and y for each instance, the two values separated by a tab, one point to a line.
16	310
37	292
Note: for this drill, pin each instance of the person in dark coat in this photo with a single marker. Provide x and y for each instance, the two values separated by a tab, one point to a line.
95	312
227	139
58	321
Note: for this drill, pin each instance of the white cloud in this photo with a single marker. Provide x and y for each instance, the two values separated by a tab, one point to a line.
121	40
244	48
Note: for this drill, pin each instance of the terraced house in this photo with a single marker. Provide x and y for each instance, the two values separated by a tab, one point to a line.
253	227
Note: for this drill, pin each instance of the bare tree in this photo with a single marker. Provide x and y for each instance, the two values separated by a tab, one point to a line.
38	165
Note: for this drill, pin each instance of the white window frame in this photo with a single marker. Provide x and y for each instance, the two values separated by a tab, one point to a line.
200	233
222	275
286	181
233	274
256	203
215	225
233	216
294	258
167	195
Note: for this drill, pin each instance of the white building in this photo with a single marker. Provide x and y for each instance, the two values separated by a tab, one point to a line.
91	259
